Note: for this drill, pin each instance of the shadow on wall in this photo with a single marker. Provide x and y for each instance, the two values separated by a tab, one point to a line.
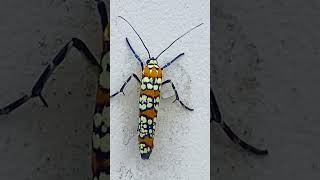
235	63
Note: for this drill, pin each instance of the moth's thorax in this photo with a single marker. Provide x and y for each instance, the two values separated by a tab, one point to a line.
152	70
151	79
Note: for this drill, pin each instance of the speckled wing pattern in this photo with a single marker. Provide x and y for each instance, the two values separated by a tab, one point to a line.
101	119
148	106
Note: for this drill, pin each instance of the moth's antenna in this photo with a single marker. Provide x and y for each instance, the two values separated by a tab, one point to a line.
137	34
178	39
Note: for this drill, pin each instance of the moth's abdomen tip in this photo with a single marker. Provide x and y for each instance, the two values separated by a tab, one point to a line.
145	156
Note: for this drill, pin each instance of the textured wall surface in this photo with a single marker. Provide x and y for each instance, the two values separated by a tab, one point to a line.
265	71
182	137
47	143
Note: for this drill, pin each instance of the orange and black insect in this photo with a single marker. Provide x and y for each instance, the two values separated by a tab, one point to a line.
101	126
151	82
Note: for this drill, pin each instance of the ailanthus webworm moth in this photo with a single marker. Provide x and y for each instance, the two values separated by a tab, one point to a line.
101	130
150	86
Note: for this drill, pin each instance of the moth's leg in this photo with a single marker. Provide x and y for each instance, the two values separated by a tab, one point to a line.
214	108
125	84
37	88
239	141
14	105
173	60
103	14
135	54
105	26
176	93
216	116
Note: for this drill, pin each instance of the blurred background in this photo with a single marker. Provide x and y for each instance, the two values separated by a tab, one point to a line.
38	143
264	71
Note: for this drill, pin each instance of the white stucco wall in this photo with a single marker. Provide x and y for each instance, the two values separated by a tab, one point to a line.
182	139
